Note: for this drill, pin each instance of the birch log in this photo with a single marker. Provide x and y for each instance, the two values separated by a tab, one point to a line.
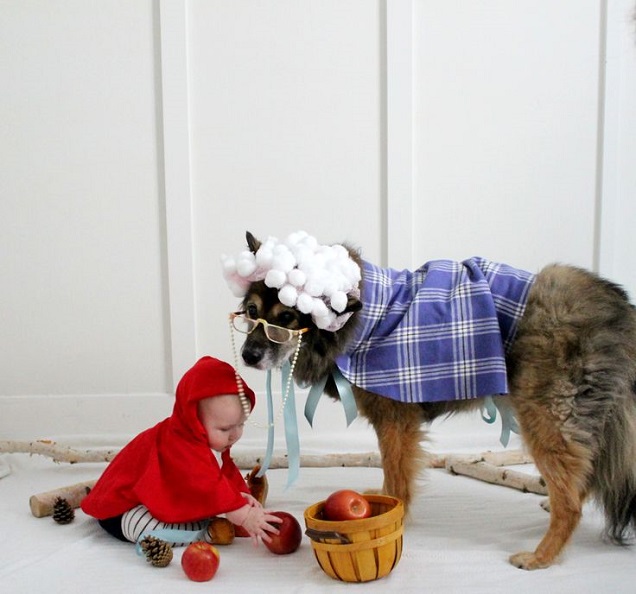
368	460
247	460
42	504
484	471
46	447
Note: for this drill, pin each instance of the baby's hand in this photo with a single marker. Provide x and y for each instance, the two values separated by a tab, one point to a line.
256	520
259	522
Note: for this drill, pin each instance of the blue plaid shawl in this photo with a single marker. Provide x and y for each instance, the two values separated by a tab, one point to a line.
436	334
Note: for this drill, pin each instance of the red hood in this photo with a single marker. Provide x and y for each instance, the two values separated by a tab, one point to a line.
207	378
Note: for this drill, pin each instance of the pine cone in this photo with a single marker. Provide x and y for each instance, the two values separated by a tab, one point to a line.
158	552
258	485
63	513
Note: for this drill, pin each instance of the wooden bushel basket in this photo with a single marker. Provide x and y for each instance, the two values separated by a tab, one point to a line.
358	550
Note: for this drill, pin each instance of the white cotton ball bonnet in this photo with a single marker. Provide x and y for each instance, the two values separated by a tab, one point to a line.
316	279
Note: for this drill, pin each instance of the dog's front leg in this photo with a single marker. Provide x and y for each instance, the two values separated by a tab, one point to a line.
398	428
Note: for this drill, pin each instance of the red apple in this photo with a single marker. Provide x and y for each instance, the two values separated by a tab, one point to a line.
289	537
200	561
346	505
240	532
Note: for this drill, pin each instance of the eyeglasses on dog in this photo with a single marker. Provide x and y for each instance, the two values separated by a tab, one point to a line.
241	323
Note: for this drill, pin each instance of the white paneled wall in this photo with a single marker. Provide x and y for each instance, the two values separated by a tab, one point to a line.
82	240
139	140
506	127
617	206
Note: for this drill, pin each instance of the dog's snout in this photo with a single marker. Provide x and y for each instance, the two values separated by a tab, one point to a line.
252	357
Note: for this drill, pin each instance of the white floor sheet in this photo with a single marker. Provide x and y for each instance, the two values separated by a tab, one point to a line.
457	539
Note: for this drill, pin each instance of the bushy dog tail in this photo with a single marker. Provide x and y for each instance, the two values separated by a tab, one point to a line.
616	481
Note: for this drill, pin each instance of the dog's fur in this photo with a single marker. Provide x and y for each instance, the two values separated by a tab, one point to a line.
572	377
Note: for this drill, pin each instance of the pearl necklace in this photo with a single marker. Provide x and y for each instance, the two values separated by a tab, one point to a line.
245	402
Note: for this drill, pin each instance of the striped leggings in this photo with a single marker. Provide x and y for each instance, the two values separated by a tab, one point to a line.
139	520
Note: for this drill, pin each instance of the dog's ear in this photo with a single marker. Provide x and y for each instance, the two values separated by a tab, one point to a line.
252	243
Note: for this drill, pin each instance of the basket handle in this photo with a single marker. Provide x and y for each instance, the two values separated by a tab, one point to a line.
326	535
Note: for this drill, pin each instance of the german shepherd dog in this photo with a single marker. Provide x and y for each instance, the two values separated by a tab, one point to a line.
572	386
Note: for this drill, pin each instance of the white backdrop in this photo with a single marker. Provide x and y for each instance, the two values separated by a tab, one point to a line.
140	140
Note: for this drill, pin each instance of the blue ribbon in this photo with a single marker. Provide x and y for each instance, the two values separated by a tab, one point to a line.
508	422
315	392
291	427
344	391
270	427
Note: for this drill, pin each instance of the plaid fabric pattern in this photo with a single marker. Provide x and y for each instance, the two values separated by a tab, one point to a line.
436	334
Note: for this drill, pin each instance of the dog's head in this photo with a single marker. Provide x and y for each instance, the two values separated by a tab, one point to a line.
319	345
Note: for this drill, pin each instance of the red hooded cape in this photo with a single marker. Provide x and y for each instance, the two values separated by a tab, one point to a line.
170	467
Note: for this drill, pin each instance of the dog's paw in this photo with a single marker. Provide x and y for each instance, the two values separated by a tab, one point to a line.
545	504
527	560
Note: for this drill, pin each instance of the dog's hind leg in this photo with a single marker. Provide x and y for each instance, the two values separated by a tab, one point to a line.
398	428
590	451
565	467
544	394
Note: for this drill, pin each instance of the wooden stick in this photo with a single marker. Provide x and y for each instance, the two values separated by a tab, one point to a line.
506	458
45	447
58	453
42	504
243	460
368	460
496	475
373	460
502	458
249	460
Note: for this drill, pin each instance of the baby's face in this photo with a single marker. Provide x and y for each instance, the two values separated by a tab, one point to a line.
223	419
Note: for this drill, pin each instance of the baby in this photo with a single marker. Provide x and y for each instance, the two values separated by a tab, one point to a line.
179	473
